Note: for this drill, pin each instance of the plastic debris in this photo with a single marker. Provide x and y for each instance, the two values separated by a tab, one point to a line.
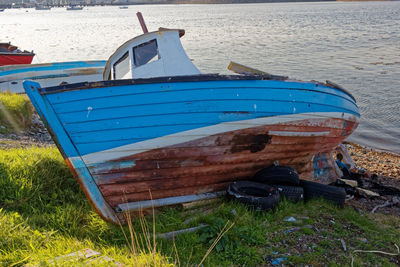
278	261
366	193
351	183
290	219
386	204
343	244
346	156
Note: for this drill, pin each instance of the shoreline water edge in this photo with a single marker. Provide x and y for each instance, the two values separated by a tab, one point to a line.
171	2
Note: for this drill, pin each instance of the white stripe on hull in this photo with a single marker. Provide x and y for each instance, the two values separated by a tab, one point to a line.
284	133
186	136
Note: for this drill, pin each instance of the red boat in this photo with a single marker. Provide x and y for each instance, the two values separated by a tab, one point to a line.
11	55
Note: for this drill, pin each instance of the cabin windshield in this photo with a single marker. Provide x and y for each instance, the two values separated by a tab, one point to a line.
150	55
121	68
145	53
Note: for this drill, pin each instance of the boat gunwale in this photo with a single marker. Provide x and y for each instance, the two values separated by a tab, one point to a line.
17	54
185	78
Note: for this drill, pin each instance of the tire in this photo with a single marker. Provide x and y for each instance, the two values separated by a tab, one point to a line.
333	194
291	193
282	175
257	195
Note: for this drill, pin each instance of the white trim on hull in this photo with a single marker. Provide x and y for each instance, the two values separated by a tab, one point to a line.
186	136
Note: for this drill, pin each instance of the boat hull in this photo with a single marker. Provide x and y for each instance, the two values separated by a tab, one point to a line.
50	74
209	164
15	59
174	141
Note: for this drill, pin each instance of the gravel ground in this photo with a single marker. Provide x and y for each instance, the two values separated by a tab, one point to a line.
381	163
36	135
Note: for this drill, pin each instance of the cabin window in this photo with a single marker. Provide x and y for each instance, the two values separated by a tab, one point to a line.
121	67
145	53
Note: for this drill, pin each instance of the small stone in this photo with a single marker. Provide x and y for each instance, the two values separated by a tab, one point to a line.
363	239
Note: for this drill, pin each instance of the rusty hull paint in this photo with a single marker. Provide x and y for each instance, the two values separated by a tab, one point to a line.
84	71
210	164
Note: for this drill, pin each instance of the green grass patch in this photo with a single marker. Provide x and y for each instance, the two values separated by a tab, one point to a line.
15	112
44	215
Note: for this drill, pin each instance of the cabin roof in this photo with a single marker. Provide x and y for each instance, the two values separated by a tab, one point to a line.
172	59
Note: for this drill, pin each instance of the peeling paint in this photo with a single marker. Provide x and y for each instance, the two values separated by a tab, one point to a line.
89	110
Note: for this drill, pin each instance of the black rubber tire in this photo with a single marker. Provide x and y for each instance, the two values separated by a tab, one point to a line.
333	194
291	193
282	175
257	195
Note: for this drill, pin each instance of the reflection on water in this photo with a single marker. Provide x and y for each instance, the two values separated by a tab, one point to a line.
356	45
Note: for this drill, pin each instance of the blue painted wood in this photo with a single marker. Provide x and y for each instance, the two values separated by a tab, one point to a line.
99	92
112	99
192	96
200	118
52	66
225	108
153	126
186	107
47	114
69	151
172	98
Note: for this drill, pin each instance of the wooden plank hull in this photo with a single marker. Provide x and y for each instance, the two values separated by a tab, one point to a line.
173	142
50	74
209	164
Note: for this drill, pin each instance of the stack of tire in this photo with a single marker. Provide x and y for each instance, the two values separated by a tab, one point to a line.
271	184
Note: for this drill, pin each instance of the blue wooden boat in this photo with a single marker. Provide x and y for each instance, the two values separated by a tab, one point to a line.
158	132
50	74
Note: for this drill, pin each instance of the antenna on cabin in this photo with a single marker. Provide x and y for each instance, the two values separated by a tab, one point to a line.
142	23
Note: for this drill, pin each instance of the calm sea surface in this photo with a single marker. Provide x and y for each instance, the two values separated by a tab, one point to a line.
356	45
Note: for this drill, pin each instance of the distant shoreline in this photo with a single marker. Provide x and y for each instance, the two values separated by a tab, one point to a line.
174	2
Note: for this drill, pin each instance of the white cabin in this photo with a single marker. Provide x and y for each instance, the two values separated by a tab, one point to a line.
153	54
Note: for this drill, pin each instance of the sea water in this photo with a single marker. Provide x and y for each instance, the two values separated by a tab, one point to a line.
354	44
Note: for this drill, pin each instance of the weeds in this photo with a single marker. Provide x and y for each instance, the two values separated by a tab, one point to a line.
15	112
44	214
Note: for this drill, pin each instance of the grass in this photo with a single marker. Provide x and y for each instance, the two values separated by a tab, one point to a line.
44	214
15	112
